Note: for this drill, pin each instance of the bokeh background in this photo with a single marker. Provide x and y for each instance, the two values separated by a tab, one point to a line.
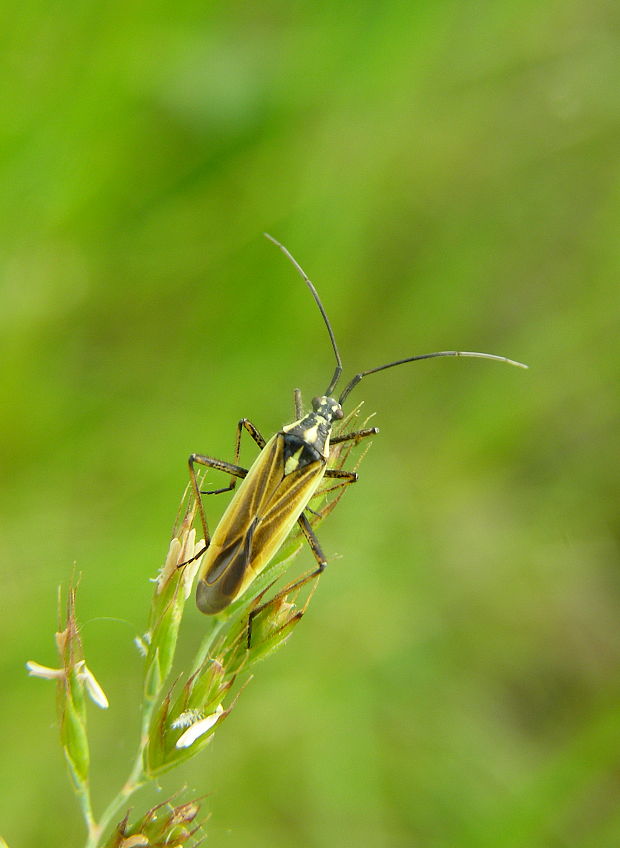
448	174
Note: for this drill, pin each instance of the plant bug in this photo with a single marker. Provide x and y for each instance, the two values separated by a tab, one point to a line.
278	487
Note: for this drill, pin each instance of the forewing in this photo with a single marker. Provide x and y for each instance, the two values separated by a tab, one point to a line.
254	494
221	583
290	497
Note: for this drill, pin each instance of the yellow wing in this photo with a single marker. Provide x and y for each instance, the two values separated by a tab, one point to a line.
258	519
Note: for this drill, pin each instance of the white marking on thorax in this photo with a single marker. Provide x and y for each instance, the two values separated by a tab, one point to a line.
288	427
292	462
311	434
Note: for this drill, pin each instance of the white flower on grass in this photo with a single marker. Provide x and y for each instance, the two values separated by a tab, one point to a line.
186	719
35	669
197	728
142	644
92	686
84	674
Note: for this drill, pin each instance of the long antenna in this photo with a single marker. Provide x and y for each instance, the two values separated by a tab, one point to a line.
363	374
315	295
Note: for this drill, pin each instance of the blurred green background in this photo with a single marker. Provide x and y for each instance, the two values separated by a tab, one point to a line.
448	175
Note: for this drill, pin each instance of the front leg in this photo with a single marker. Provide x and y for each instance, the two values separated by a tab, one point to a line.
357	436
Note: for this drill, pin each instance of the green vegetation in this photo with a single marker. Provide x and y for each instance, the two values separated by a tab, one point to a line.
447	173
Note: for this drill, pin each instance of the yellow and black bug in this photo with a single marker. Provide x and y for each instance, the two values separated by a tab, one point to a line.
278	487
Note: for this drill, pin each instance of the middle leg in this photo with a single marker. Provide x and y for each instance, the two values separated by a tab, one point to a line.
243	423
236	471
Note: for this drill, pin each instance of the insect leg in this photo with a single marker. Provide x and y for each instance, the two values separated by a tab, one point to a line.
359	434
308	532
346	476
306	529
299	408
325	511
333	488
322	513
252	430
234	469
220	465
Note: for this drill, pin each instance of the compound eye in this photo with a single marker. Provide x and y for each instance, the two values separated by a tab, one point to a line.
316	402
338	413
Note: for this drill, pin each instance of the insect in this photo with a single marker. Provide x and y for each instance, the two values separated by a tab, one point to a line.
278	487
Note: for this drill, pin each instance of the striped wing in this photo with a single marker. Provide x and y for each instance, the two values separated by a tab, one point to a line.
258	519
